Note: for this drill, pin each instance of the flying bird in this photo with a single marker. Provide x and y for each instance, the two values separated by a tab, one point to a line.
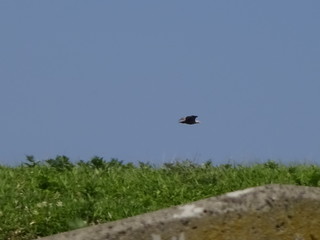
189	120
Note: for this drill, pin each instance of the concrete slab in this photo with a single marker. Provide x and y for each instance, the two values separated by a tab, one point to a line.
272	212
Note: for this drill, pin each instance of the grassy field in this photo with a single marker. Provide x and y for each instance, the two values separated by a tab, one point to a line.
43	198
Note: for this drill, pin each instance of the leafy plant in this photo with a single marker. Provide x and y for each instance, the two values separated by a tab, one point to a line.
60	163
31	162
41	198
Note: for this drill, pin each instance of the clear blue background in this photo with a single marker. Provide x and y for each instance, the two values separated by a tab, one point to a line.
112	78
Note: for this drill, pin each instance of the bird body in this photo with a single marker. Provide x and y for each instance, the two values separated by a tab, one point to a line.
189	120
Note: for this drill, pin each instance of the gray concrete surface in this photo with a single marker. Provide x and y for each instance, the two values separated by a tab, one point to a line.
272	212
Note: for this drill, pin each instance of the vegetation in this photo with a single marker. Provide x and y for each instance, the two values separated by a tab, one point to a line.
41	198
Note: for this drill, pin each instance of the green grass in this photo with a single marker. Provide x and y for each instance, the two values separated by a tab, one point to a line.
43	198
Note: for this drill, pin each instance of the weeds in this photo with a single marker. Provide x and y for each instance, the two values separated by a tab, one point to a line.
41	198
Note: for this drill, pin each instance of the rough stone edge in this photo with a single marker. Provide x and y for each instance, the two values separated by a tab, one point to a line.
260	198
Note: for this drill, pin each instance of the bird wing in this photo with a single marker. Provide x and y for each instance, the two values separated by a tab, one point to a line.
191	118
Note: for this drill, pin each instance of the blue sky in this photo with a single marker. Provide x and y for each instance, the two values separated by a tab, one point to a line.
112	78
